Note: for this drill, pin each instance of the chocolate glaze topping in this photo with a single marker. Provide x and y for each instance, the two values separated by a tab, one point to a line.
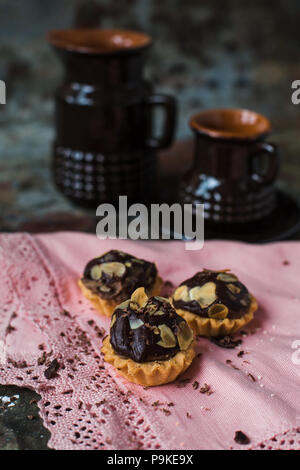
148	331
115	275
223	296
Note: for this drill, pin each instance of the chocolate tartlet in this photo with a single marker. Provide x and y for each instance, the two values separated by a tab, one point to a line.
111	278
149	343
214	303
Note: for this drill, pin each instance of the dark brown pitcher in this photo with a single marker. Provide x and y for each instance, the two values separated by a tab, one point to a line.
104	145
234	169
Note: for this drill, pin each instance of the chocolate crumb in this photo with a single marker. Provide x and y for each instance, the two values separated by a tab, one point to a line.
226	342
51	371
206	389
66	314
9	329
243	333
156	403
171	404
166	411
251	377
241	438
182	383
189	416
286	262
41	360
196	385
240	354
32	402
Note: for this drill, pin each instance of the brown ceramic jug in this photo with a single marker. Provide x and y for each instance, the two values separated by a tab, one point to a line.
228	175
104	145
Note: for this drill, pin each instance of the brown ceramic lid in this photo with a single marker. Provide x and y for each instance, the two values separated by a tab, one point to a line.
98	41
230	124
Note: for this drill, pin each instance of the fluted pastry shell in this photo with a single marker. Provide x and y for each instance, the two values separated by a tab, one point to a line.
212	327
149	373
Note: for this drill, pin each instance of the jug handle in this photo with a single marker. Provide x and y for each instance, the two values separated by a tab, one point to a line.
168	104
273	167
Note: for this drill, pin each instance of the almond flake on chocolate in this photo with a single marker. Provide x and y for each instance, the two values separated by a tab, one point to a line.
204	295
226	277
168	339
182	293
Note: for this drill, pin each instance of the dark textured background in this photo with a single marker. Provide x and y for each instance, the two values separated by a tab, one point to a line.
207	52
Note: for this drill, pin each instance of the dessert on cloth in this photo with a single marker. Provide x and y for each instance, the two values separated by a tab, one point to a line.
111	278
51	339
214	303
149	344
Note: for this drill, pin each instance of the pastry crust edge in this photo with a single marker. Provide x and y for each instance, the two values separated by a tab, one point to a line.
107	307
212	327
152	373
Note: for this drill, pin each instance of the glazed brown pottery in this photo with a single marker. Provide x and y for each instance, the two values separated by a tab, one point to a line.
104	145
233	169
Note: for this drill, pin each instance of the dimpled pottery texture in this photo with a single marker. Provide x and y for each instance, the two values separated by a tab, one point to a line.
226	175
104	145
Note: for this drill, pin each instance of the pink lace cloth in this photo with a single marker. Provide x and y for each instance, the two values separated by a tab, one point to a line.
256	386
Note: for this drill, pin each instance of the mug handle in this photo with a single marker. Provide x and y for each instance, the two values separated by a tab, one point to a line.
273	167
168	103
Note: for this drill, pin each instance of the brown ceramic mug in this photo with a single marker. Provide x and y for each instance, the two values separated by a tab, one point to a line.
105	145
227	174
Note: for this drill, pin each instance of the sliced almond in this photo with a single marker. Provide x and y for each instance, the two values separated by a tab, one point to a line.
113	268
233	288
184	336
159	312
113	320
135	323
123	305
96	272
162	299
245	301
182	293
104	289
204	295
218	311
140	297
227	277
168	339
